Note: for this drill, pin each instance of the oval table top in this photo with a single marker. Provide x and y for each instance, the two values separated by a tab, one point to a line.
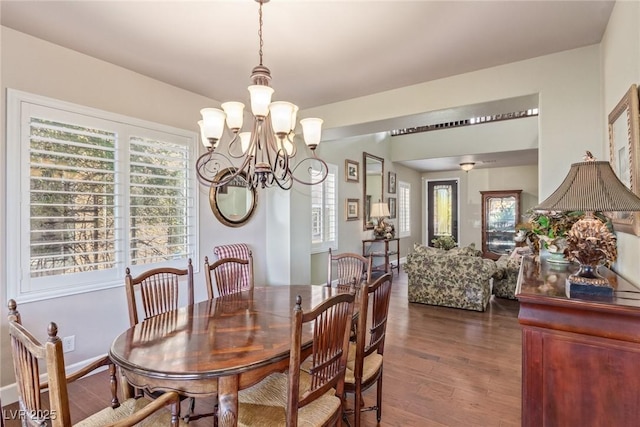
212	338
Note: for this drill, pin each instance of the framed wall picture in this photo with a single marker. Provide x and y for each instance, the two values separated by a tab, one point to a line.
392	207
352	208
624	154
392	183
351	171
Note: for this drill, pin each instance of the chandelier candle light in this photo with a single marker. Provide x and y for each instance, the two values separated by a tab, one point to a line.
264	155
591	186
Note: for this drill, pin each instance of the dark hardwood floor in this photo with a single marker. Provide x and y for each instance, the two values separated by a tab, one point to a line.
443	367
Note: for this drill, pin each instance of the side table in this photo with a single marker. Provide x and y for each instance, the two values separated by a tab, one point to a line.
383	248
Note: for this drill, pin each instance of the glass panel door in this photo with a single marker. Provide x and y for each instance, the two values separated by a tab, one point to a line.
442	209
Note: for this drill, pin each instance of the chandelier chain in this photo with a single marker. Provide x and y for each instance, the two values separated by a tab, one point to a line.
260	31
263	155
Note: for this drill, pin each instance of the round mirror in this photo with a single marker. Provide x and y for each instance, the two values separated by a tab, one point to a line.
233	203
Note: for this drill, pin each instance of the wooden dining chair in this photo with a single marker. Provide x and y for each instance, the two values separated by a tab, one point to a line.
241	251
29	355
231	275
157	291
311	397
364	367
348	267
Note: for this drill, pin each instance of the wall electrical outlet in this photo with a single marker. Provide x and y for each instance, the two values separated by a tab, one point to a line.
68	343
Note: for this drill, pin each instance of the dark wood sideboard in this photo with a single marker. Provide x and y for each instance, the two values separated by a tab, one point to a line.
580	357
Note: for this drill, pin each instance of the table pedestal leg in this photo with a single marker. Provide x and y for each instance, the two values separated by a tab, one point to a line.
228	401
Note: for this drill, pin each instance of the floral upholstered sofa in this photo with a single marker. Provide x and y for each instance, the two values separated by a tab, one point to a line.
458	278
506	277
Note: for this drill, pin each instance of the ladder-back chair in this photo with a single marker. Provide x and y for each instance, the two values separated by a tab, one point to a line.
240	251
310	397
364	368
158	290
27	352
349	268
230	275
155	292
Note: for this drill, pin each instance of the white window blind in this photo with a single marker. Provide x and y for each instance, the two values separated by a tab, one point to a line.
159	196
404	209
71	197
324	206
100	192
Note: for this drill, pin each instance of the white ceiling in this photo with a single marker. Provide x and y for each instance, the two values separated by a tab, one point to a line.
319	52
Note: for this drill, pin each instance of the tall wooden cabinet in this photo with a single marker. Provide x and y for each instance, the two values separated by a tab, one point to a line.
500	214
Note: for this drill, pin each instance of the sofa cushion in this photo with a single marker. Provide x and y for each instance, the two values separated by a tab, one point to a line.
465	251
470	250
423	250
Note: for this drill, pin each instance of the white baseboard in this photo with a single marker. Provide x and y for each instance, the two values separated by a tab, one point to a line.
9	393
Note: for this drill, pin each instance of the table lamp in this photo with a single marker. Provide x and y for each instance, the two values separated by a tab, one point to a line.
591	186
379	210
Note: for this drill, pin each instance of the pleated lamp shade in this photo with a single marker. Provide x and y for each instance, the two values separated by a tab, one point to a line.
591	186
379	210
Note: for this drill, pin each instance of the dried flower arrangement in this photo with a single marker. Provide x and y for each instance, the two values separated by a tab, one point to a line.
591	242
384	230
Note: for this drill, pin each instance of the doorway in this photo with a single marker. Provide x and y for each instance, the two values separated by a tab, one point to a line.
442	209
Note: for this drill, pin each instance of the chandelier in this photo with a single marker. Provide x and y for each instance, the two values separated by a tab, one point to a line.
264	155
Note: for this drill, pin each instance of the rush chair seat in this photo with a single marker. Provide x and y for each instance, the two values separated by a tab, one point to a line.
27	351
365	363
349	267
313	397
230	275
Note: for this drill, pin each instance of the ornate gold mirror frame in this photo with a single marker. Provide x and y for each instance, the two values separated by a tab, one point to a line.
372	187
624	155
233	204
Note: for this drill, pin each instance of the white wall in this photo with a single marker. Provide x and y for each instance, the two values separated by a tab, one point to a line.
32	65
351	233
570	102
471	183
620	69
491	137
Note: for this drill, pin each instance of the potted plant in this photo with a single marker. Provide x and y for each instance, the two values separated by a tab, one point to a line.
548	230
444	242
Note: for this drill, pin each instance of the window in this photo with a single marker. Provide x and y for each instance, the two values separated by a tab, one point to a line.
404	209
324	229
96	192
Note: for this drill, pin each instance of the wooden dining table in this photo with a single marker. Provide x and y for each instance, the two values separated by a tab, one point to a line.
217	346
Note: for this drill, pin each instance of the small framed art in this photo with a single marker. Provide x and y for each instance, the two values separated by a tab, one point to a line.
352	170
352	208
392	183
392	207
